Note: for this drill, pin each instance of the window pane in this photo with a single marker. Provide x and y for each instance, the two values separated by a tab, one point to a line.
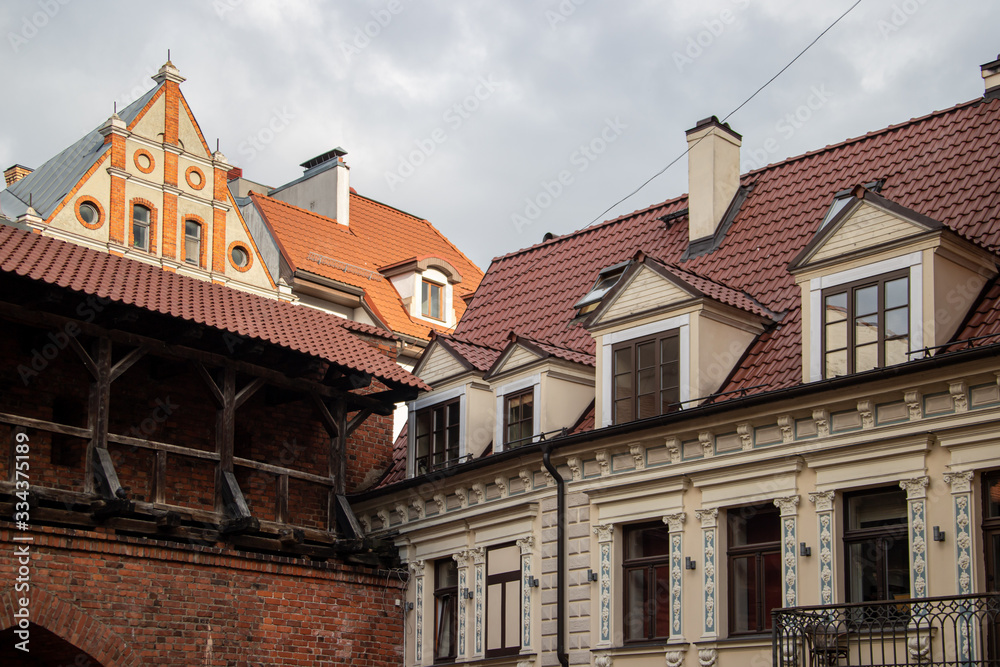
669	349
661	603
647	381
897	322
445	573
874	510
494	616
897	293
866	330
635	611
513	409
865	357
993	497
623	411
454	414
754	524
862	562
896	351
140	214
647	354
446	620
623	361
836	335
866	300
435	301
772	587
646	541
424	299
836	363
623	386
514	433
897	561
744	593
836	307
192	229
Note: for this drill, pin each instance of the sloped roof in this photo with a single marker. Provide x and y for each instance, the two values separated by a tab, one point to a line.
134	283
47	186
378	236
945	165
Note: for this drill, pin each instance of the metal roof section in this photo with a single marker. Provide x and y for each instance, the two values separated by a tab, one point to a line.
46	187
270	253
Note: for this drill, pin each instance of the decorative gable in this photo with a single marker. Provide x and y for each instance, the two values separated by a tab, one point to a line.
646	290
439	363
514	357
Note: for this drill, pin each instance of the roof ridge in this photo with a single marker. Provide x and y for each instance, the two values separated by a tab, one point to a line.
867	135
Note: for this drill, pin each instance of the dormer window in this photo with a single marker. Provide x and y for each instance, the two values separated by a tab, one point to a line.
646	377
866	324
843	198
606	279
437	436
431	300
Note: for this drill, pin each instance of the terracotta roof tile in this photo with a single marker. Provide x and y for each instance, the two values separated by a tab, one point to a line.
945	165
378	236
144	286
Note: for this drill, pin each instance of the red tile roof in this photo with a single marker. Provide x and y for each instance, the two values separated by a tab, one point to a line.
378	236
945	165
144	286
481	357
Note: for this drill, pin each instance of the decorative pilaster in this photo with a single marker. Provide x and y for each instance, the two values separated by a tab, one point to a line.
676	524
417	572
462	562
823	501
605	534
479	597
789	555
961	493
709	521
916	495
526	544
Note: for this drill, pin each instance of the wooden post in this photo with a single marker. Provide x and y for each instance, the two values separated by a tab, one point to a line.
225	428
97	415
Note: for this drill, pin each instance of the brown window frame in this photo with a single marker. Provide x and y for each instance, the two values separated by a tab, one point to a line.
649	565
502	578
445	595
850	290
633	345
530	420
426	312
883	538
450	450
758	551
991	529
147	225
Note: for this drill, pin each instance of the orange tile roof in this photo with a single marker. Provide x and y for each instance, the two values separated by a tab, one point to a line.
378	236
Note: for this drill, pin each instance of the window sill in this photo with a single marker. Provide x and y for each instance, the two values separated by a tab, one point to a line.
503	661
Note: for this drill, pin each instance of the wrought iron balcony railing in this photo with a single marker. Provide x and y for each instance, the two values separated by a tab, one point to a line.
960	631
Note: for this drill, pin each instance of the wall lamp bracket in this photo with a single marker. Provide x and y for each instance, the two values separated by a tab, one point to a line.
689	563
938	534
591	575
804	550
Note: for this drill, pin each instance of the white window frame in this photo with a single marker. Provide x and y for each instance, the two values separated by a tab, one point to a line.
428	401
913	261
683	325
535	382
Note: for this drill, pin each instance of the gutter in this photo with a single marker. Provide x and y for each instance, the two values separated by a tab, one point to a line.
795	391
560	556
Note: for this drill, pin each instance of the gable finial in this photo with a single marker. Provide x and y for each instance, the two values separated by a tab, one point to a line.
168	55
216	144
116	107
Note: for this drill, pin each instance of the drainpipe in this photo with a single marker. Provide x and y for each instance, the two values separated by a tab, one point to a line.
560	556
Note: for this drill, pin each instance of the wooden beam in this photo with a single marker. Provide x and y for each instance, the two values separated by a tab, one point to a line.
43	425
84	355
329	423
160	477
98	409
213	387
248	391
278	470
162	447
357	420
127	361
281	512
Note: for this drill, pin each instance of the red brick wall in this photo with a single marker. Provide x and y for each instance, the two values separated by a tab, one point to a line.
131	601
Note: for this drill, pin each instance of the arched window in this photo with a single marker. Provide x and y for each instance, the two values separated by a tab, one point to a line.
192	242
140	226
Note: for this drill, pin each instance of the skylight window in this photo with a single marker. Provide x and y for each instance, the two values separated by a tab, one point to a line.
606	280
841	199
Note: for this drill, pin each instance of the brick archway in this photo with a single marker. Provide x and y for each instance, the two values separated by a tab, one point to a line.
72	624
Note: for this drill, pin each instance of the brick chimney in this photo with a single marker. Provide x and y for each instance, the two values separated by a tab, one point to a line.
991	75
13	174
713	175
324	188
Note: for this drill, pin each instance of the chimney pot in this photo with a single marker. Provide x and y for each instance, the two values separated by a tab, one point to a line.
713	175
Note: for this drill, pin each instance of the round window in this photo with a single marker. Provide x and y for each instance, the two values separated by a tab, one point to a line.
240	257
142	161
89	213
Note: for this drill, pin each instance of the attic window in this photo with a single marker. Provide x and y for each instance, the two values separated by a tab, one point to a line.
841	199
606	279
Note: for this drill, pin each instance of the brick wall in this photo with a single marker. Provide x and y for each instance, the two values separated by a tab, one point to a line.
131	601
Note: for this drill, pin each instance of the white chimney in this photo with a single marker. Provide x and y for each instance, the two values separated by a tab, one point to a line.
713	175
991	75
324	188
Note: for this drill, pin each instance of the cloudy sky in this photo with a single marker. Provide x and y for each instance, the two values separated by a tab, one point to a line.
496	121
